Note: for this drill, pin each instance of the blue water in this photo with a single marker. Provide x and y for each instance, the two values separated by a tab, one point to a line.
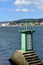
10	42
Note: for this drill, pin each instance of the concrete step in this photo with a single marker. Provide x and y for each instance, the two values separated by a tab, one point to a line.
32	62
28	57
39	63
28	52
32	59
36	64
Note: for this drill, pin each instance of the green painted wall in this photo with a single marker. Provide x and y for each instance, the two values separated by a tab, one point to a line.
26	40
23	42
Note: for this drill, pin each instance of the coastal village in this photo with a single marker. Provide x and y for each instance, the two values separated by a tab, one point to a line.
20	23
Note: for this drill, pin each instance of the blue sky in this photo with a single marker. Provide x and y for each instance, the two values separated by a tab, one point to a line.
11	10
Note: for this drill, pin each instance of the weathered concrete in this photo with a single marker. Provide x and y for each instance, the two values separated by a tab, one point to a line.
26	58
18	58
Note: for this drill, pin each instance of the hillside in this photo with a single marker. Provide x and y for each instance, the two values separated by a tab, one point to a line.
34	21
29	20
22	21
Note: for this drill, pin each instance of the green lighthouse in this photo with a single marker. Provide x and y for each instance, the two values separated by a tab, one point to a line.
26	39
26	55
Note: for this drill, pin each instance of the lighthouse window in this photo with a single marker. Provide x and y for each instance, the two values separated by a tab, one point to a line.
29	46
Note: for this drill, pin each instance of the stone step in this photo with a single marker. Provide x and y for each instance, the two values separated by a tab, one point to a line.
29	54
32	59
39	63
36	62
33	64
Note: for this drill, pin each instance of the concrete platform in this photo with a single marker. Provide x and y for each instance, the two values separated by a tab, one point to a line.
26	58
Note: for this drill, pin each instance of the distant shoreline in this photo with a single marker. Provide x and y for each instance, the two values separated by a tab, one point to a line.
16	24
20	26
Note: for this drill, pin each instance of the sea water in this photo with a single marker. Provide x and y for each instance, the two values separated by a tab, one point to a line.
10	41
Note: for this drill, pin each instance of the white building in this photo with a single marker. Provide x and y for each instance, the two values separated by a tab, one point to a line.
5	24
41	23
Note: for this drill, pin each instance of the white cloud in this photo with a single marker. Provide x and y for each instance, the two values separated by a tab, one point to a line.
36	3
22	2
23	10
40	6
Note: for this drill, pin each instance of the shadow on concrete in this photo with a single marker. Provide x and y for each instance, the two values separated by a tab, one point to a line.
11	62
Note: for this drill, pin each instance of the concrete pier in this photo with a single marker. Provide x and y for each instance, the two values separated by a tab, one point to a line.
26	58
